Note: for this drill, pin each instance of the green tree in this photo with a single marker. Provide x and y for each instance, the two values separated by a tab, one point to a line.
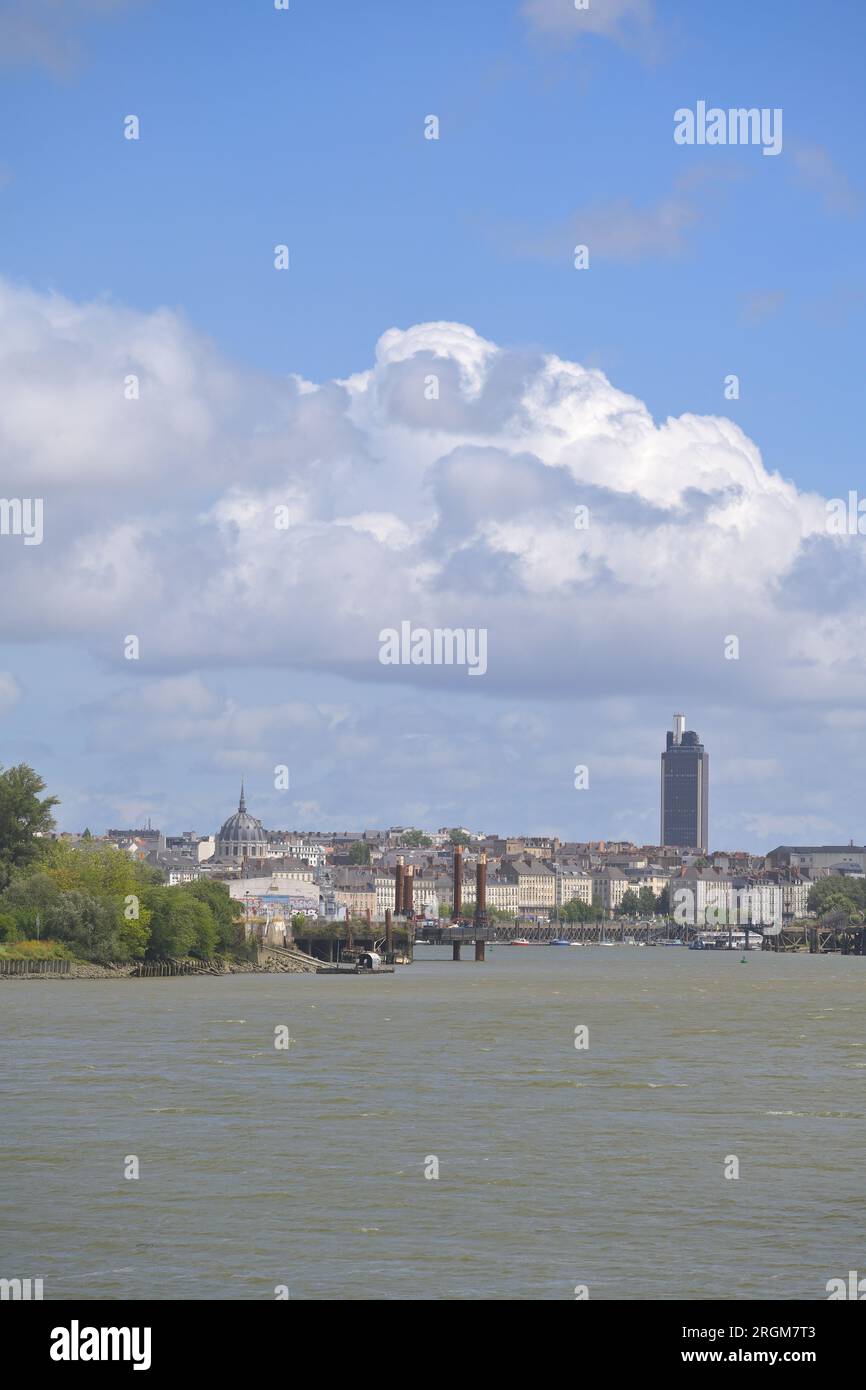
111	876
29	895
663	901
576	910
646	902
9	929
417	839
226	911
299	921
458	837
359	852
89	925
836	893
104	872
61	890
629	904
180	925
24	815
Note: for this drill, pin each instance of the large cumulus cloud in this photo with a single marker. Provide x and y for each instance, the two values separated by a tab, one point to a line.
440	486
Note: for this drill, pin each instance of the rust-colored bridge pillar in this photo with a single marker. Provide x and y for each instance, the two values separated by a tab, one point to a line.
458	884
481	890
398	887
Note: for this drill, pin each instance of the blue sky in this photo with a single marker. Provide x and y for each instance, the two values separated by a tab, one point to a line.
306	127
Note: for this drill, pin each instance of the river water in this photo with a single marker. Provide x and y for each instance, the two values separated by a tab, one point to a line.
558	1166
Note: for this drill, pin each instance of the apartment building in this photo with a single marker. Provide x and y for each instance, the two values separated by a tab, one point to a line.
572	885
535	880
609	887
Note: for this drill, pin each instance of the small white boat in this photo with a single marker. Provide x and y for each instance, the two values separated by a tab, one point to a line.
735	940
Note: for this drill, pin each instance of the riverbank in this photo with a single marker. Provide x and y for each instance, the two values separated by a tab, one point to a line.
270	963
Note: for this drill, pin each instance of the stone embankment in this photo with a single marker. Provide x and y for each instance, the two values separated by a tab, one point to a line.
271	962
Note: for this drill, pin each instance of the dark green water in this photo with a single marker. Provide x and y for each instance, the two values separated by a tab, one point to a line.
557	1167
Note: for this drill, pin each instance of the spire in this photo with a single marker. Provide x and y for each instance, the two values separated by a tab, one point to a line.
242	805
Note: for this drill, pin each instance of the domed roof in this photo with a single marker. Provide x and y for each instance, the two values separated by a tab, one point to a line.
242	828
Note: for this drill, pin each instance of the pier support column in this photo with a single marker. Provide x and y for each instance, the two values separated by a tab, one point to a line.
479	950
457	893
398	887
455	950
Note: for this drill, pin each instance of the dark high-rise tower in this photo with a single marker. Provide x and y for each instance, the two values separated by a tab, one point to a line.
685	788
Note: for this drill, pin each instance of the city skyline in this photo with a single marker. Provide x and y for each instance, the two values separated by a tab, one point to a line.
248	819
274	804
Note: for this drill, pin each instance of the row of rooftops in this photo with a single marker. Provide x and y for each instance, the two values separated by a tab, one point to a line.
525	855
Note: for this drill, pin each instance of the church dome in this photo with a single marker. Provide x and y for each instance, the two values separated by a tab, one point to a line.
242	834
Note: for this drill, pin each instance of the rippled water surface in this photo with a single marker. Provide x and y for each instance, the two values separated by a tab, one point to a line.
557	1167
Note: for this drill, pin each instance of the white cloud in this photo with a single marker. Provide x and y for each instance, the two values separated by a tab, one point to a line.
159	518
627	22
619	230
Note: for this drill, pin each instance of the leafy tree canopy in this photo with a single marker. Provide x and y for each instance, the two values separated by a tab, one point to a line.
180	925
576	910
91	926
226	911
837	892
24	815
417	839
629	903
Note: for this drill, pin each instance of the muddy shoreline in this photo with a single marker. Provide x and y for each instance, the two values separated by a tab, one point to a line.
294	963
